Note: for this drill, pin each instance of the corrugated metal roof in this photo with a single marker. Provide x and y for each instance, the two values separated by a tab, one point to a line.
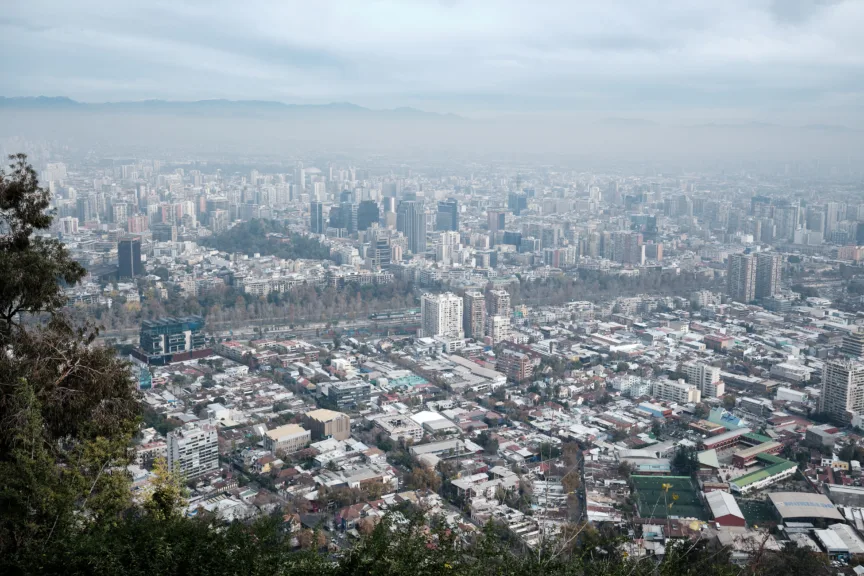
723	504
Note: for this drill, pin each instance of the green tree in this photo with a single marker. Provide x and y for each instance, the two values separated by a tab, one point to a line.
31	265
685	461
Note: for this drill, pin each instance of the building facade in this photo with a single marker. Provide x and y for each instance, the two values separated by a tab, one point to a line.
348	395
676	391
288	438
842	390
474	310
741	278
706	378
129	258
441	315
193	450
768	269
325	423
167	336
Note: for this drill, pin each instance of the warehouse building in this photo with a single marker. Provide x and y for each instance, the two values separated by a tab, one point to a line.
724	509
804	507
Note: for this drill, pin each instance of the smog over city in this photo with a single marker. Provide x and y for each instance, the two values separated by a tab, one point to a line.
432	287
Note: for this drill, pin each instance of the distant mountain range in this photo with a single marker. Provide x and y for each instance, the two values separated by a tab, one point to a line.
212	106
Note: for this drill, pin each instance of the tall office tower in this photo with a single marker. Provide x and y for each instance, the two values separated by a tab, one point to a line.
367	214
706	378
300	178
741	278
129	257
474	306
815	219
319	190
411	221
499	303
389	204
441	315
382	253
834	213
82	206
842	390
853	344
316	217
349	216
768	268
517	202
337	220
497	220
448	215
786	219
193	450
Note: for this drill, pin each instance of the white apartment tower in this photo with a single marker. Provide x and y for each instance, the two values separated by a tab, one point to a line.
441	315
842	390
706	378
193	450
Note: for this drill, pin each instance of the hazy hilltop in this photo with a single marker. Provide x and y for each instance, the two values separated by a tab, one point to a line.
220	127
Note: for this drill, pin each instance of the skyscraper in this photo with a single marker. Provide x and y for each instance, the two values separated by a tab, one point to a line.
474	307
842	390
129	257
411	221
349	216
300	178
517	202
741	278
367	214
497	220
768	268
316	211
448	215
441	315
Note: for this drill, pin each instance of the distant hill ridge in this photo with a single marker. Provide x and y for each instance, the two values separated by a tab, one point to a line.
63	102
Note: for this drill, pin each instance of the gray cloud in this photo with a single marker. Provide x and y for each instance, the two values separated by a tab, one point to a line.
756	59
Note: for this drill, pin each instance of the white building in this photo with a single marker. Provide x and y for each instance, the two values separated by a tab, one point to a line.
842	395
676	391
706	378
441	315
398	426
193	450
498	328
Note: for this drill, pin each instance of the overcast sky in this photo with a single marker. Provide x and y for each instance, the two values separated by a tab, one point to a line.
798	61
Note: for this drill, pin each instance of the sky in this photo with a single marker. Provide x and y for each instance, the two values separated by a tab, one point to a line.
792	61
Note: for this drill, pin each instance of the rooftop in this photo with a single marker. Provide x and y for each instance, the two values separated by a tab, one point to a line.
804	505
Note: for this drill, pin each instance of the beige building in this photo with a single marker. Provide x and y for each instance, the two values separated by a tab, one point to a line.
288	438
676	391
328	424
